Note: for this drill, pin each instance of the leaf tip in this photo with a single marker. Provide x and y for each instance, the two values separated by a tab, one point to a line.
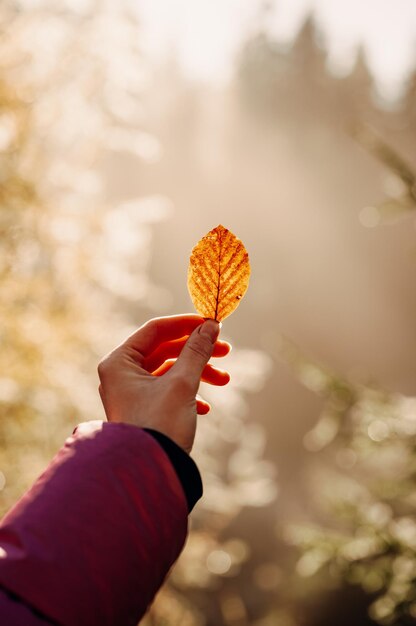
221	228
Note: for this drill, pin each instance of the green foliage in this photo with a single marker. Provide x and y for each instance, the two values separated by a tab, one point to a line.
364	487
403	197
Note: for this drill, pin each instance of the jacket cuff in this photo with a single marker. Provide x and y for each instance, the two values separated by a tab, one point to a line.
185	467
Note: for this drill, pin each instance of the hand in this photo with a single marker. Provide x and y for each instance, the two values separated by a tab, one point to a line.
142	385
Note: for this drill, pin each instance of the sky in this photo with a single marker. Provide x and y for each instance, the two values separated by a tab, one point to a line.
207	34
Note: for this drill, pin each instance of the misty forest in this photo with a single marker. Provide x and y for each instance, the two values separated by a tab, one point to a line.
112	167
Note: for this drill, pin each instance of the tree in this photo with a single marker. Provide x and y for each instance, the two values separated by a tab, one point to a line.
367	478
76	273
67	249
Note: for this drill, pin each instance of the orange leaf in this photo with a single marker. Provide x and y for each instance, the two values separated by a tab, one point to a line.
218	274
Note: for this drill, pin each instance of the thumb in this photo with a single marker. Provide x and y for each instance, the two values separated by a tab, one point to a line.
197	352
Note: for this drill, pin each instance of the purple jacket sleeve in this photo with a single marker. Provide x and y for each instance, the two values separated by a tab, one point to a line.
92	541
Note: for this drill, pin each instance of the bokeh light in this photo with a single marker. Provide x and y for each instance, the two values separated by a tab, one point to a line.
127	130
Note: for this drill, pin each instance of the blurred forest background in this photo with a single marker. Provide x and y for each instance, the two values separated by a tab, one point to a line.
113	166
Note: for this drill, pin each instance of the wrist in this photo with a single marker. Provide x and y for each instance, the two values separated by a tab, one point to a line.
185	467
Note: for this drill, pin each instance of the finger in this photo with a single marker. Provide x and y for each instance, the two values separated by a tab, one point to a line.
159	330
196	353
210	374
172	349
202	406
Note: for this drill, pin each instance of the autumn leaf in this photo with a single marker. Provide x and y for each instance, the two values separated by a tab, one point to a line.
218	274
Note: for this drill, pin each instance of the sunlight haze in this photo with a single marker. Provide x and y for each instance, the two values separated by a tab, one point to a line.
207	35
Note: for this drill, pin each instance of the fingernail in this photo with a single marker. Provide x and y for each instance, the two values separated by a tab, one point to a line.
211	329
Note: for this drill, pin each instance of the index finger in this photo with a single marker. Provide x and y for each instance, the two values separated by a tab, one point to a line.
160	329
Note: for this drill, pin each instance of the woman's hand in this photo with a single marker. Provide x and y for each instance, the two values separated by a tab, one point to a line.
140	383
